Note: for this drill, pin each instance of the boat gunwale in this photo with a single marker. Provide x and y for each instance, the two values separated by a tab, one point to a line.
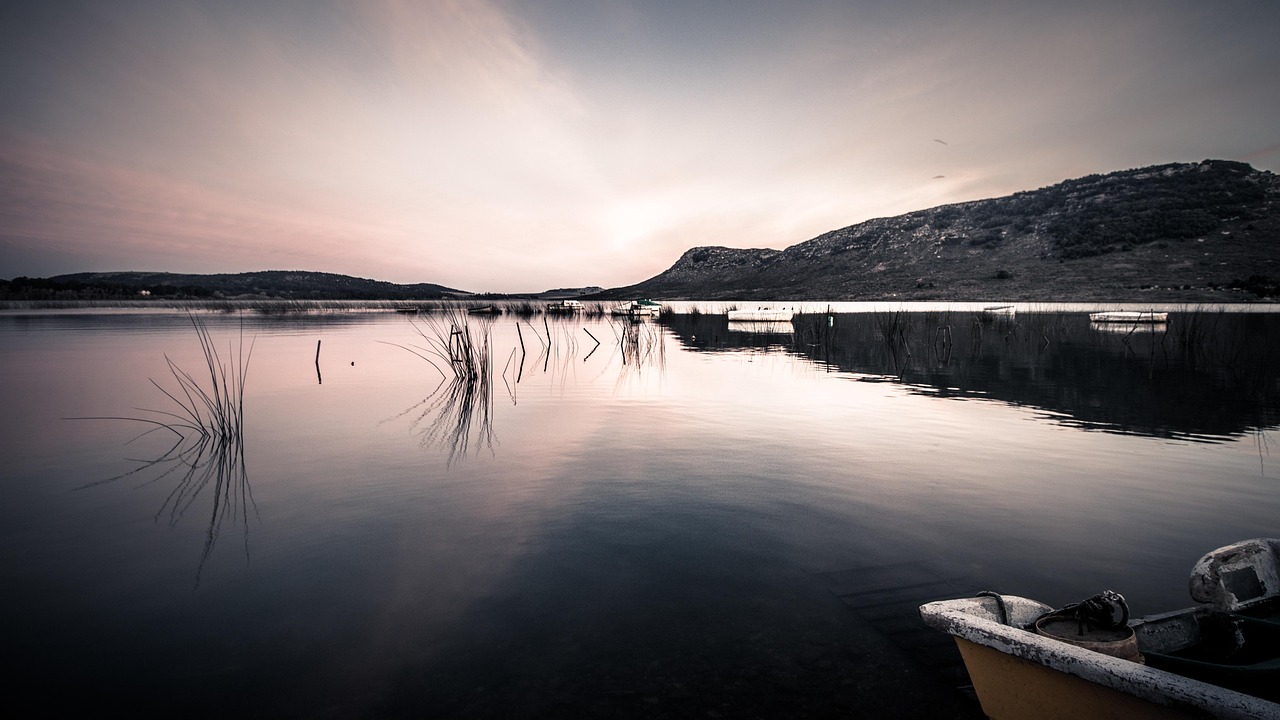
973	619
761	314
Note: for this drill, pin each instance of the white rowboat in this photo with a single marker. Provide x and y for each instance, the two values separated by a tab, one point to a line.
1128	316
760	315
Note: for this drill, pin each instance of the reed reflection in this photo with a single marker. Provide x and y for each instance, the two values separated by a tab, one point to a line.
641	344
458	414
207	457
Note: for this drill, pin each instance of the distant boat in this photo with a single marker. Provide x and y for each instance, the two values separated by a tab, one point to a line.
760	314
486	310
638	308
566	306
1128	316
994	311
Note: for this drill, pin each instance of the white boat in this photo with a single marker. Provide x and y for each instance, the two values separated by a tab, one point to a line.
566	307
760	314
638	308
995	311
1128	316
1218	659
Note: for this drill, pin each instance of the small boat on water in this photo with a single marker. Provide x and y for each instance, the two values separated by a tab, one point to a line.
566	307
999	311
760	314
1219	659
1128	316
638	308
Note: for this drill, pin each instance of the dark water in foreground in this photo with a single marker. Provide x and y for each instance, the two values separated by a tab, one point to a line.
660	525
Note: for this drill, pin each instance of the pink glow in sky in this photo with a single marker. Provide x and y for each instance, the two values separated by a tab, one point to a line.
495	146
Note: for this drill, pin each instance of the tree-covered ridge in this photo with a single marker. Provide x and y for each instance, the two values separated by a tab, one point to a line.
277	284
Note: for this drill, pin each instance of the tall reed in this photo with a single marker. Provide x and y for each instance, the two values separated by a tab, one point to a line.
208	449
460	407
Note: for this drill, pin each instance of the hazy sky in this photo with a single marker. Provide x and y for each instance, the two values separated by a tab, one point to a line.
514	146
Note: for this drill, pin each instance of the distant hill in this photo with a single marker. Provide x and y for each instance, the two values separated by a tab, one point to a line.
1206	231
285	284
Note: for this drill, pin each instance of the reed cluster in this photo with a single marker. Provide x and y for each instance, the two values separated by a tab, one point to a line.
217	411
207	422
460	407
212	412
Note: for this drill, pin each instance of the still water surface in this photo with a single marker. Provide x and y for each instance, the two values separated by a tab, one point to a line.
639	523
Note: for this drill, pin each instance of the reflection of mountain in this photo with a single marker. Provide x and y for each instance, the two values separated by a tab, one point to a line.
1206	375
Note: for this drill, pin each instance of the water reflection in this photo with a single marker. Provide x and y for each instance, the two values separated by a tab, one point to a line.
458	415
1201	376
1127	329
459	411
762	327
641	344
689	517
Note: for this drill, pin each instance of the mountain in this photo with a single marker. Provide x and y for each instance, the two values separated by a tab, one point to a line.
1191	232
287	284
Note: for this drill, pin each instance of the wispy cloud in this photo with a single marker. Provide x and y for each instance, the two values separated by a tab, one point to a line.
496	146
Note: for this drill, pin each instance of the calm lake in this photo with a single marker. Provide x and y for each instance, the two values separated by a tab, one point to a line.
684	518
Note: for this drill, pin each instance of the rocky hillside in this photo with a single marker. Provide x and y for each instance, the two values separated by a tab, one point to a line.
1180	232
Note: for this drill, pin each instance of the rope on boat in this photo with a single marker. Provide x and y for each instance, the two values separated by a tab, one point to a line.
1107	610
1004	612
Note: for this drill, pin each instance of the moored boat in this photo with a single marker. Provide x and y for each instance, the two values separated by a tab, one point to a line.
638	308
760	314
1129	316
999	311
1220	658
566	307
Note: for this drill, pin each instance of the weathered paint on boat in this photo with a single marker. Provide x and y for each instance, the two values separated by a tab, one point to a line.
1018	673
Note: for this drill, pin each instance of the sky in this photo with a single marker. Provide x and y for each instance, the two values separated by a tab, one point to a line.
518	146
